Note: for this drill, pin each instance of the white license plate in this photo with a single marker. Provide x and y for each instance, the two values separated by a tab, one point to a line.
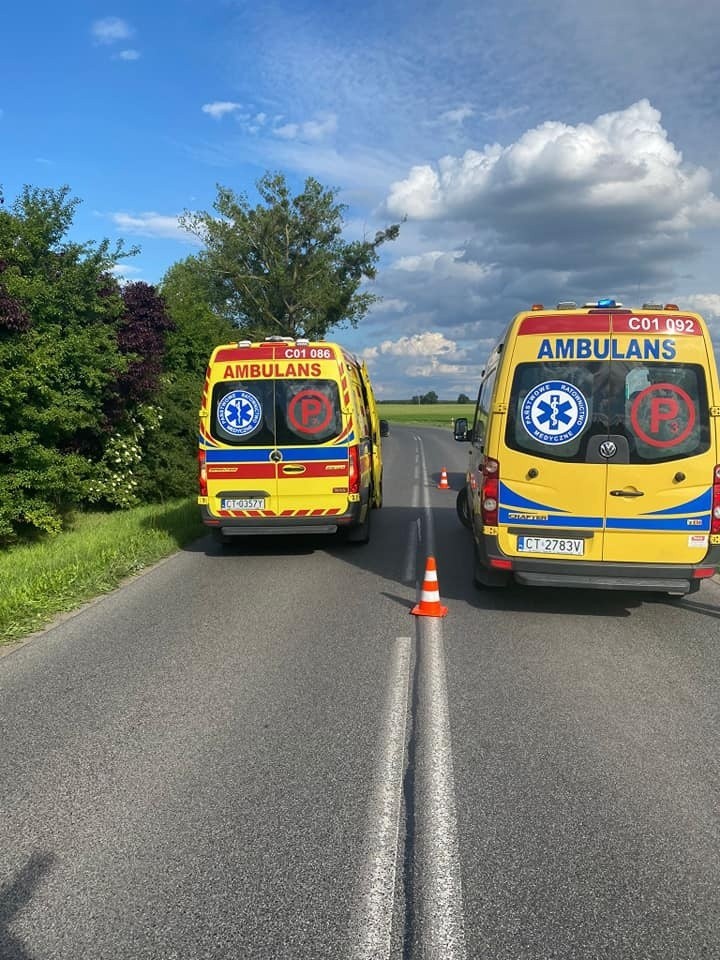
562	545
243	503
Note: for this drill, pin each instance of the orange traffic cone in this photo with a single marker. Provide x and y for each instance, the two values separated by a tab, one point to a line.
443	485
430	605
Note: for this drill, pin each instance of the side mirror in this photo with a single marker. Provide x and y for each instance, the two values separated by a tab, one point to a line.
384	428
460	429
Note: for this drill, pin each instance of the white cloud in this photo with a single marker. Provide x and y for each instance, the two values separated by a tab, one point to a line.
152	225
129	55
219	108
310	130
110	30
620	169
429	356
429	343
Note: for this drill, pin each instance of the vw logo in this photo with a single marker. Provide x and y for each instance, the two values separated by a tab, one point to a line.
275	456
608	449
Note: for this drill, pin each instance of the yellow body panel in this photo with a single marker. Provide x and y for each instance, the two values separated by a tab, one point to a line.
606	428
277	423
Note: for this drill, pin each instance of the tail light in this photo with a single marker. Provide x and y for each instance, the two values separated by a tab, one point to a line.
715	519
489	492
354	470
203	473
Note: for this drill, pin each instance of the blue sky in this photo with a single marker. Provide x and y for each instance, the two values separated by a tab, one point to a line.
539	150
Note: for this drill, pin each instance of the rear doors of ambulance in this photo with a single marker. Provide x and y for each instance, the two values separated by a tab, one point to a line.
661	455
608	439
277	427
552	490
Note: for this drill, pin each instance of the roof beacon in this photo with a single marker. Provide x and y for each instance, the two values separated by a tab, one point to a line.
566	305
606	302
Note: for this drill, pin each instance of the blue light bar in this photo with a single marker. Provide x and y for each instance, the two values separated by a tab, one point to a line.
606	302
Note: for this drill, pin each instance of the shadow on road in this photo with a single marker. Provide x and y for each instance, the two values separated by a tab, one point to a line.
14	896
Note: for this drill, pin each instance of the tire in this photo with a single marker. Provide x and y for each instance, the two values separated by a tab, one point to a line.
378	501
463	511
361	532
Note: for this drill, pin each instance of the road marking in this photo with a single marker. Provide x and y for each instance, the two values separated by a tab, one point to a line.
415	531
373	914
427	511
440	915
414	538
439	899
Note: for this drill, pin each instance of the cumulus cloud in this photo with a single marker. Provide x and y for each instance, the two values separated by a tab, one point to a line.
219	108
422	361
310	130
129	55
110	30
430	343
620	170
152	225
604	208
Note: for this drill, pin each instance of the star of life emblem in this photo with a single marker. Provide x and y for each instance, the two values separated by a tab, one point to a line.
239	413
554	412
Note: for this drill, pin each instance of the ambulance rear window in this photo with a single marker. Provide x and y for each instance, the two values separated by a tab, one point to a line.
276	412
661	408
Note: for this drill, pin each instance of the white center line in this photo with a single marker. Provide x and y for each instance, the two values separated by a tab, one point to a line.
372	921
440	914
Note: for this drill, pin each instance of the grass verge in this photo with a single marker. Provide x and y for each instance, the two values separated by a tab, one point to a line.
90	558
426	414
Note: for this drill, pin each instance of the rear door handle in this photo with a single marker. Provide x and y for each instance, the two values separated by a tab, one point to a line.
626	493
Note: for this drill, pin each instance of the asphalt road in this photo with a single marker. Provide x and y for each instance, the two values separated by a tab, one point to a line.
260	753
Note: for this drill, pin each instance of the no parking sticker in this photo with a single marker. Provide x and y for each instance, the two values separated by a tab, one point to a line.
310	411
663	415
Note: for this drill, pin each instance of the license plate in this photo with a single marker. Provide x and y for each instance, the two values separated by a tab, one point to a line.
243	503
562	545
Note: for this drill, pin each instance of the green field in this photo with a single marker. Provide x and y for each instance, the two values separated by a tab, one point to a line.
426	414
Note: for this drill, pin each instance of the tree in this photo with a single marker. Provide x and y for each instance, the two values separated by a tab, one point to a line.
127	467
171	454
463	398
59	313
430	397
282	267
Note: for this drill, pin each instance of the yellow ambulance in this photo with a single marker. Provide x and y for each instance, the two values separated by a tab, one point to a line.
289	441
595	451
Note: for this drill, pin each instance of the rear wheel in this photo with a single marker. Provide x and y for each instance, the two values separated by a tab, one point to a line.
378	500
361	532
463	508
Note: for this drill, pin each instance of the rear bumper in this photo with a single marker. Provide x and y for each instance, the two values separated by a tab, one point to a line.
269	526
582	574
